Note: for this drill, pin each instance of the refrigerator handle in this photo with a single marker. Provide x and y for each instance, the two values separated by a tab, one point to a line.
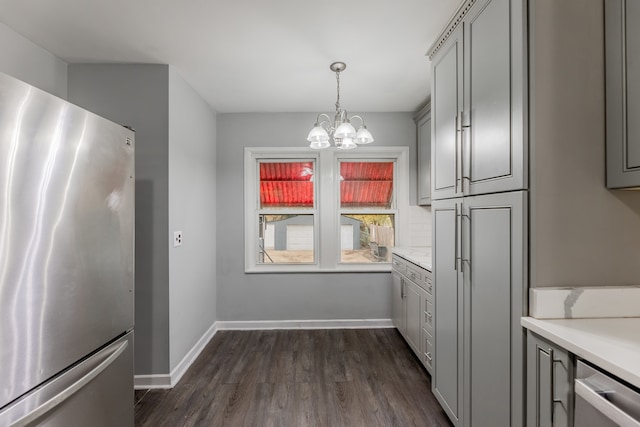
72	389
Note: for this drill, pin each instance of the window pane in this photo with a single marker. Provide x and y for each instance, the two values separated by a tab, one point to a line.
285	239
286	184
366	238
366	184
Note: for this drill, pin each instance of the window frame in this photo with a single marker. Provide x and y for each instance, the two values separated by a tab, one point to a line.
327	209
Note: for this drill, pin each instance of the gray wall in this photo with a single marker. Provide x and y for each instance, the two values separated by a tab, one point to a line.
192	210
290	296
581	233
138	96
28	62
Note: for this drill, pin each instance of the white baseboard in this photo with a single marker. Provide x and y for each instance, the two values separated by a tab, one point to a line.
305	324
170	380
143	382
160	381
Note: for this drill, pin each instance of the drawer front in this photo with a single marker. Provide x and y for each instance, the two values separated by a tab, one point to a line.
428	314
428	285
415	274
428	351
399	264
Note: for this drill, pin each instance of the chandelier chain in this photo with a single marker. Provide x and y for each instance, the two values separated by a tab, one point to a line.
338	89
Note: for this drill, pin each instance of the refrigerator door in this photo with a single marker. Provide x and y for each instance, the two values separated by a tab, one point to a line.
97	392
66	235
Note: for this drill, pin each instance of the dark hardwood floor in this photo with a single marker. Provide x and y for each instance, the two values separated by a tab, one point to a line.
329	377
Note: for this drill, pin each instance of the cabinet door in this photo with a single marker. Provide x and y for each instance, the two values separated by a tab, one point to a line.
424	160
447	279
492	136
493	258
446	103
622	65
397	301
549	384
413	297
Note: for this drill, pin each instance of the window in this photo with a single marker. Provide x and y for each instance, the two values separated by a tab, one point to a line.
323	211
286	216
366	210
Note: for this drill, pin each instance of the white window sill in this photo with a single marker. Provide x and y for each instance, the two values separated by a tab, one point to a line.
383	267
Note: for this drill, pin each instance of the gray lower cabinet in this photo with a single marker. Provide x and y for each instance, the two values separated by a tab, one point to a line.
412	308
479	276
413	331
549	384
447	277
398	306
622	65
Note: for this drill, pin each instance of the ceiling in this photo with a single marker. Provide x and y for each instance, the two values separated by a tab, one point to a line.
254	55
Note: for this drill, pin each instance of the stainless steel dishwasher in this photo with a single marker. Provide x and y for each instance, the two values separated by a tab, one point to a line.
602	400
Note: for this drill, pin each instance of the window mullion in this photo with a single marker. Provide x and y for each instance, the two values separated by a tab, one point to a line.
327	248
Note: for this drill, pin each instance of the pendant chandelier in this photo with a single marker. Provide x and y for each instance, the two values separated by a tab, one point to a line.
341	130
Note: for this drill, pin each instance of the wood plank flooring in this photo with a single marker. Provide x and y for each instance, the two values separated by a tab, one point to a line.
287	378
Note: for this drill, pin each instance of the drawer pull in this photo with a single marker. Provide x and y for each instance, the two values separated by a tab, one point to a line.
428	356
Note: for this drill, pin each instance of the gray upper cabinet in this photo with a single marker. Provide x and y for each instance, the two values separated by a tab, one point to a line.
423	128
622	65
478	138
446	102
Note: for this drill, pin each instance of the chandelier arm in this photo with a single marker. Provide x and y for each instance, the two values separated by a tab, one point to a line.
326	120
357	117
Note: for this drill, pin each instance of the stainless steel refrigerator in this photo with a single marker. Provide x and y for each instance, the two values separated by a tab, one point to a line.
66	263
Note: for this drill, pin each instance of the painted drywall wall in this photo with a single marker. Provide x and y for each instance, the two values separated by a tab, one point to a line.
24	60
581	233
192	210
317	296
137	96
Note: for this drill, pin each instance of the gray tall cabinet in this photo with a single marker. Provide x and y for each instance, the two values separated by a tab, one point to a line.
479	211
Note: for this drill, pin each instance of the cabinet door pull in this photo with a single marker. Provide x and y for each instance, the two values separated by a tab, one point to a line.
553	386
455	241
458	244
458	152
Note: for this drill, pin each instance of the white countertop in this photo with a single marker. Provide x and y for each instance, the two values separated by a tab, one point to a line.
419	255
612	344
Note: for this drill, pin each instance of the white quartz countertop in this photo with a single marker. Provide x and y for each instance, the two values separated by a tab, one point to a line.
419	255
613	344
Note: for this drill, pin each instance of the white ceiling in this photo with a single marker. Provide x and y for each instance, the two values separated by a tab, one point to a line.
254	55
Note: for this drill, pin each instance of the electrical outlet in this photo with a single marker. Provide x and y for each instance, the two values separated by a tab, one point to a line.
177	239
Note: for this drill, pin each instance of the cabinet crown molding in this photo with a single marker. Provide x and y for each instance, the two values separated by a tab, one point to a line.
453	23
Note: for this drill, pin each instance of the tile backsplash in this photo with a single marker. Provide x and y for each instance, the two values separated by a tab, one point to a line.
418	222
